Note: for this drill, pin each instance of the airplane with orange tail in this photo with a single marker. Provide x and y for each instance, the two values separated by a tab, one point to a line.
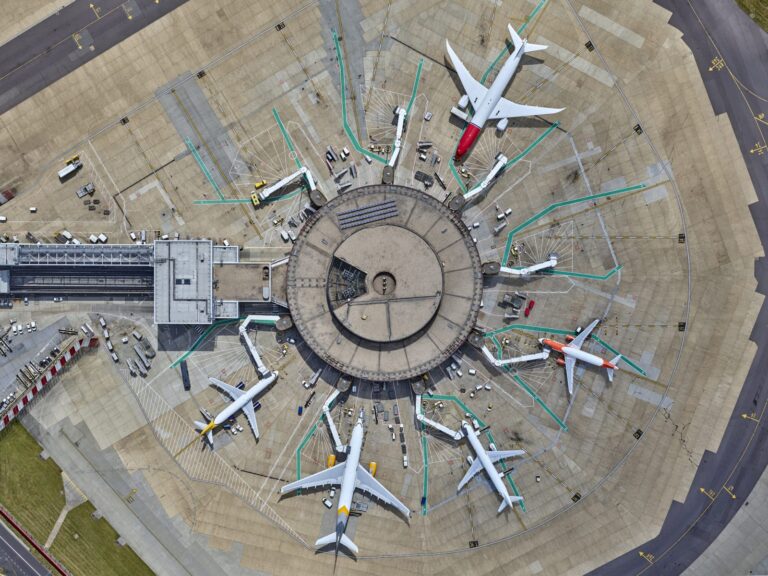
572	352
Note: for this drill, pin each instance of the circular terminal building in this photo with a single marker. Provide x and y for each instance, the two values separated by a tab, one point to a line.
384	282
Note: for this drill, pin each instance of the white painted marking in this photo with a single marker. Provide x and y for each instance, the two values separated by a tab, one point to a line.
611	27
577	62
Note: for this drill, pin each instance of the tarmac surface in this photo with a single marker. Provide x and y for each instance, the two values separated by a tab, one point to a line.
717	30
65	41
15	559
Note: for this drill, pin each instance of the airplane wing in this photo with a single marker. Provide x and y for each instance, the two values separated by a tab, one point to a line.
496	455
508	109
570	362
474	89
583	335
230	391
328	477
367	483
250	414
473	469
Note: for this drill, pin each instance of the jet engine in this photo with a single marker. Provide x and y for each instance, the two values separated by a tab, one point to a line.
570	338
560	362
463	102
502	124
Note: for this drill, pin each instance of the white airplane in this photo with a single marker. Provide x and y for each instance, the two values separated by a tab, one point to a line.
572	352
485	460
489	103
351	476
241	400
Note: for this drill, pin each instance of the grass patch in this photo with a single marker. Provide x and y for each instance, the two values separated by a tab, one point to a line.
95	551
30	488
757	10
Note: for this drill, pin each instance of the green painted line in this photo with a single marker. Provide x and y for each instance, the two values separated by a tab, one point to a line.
426	469
200	163
202	337
531	328
561	204
520	382
415	87
343	84
302	444
535	143
460	403
482	425
509	476
517	158
540	402
605	276
224	201
286	137
520	30
627	360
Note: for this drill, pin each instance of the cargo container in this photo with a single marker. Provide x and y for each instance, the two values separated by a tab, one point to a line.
114	357
102	322
137	335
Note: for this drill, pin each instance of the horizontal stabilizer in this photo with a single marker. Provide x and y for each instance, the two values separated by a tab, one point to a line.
506	502
345	541
615	362
199	426
517	41
496	455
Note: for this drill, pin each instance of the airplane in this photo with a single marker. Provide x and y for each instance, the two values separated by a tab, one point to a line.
351	476
241	400
489	103
572	352
485	460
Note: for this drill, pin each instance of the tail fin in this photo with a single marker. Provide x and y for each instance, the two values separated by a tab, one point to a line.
199	426
615	362
517	41
344	541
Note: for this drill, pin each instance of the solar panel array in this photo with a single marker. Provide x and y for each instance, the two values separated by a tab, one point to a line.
367	214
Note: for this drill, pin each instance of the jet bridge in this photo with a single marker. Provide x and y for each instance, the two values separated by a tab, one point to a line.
401	114
436	425
303	172
498	363
327	412
501	162
551	262
269	319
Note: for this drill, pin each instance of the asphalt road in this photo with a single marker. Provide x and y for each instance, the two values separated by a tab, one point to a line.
65	41
718	29
15	560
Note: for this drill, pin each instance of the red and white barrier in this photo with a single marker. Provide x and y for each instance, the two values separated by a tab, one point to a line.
46	379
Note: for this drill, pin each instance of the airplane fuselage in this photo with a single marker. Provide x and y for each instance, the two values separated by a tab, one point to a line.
349	478
238	403
485	106
488	466
577	353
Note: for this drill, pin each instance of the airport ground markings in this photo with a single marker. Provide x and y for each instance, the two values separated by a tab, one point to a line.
554	206
426	470
415	88
520	30
561	332
343	84
223	200
203	167
488	434
202	337
536	398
